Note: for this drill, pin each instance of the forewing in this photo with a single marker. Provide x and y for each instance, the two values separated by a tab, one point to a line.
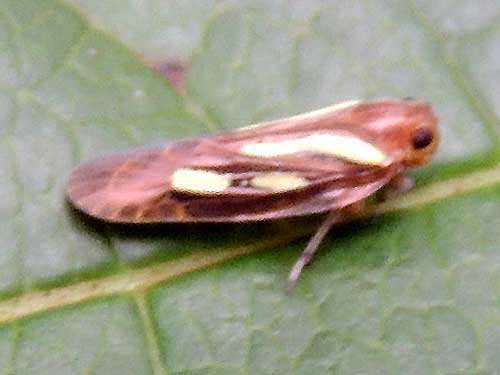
136	187
326	195
116	188
318	161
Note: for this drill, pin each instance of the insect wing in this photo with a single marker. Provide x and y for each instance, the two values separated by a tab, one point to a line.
113	188
310	163
139	187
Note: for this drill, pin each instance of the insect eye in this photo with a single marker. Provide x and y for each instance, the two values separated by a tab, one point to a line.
422	138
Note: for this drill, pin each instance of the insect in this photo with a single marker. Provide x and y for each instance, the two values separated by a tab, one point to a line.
326	161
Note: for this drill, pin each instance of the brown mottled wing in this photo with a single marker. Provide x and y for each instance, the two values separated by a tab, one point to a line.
136	187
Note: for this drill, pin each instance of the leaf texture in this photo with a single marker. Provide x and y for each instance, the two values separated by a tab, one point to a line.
412	291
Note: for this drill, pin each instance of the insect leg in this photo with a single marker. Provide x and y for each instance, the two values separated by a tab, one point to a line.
399	185
402	184
306	256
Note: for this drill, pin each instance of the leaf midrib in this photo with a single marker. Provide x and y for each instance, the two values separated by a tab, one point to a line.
141	280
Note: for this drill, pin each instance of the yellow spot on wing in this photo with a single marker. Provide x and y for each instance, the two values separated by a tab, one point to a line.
272	149
345	147
349	148
278	181
199	181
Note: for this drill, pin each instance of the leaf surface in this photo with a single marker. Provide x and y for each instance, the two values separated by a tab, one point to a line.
413	290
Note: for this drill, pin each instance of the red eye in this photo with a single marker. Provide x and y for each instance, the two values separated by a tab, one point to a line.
422	138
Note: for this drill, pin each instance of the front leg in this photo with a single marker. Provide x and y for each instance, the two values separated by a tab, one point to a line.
399	185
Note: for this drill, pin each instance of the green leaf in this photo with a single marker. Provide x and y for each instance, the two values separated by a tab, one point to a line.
412	290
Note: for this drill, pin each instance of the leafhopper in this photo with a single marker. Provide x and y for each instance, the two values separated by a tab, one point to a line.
327	161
